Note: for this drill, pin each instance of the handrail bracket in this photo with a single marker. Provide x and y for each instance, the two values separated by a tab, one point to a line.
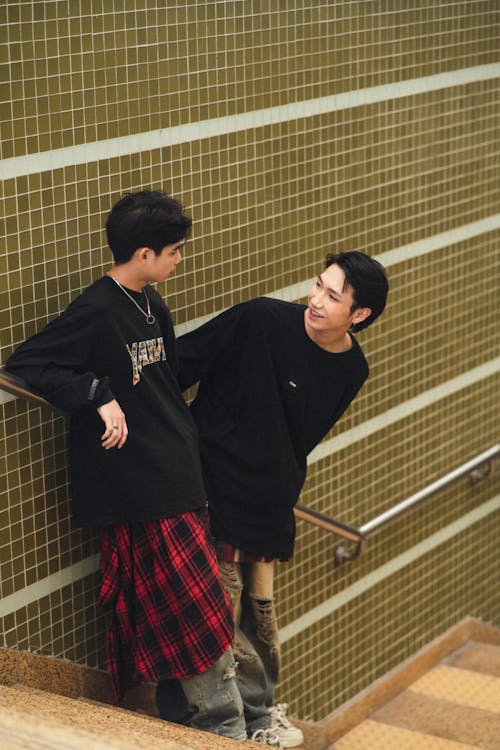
353	540
482	472
345	551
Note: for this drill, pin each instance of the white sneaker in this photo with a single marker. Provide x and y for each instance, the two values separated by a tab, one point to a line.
289	735
267	737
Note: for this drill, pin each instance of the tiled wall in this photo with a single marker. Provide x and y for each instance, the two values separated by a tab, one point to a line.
288	129
89	70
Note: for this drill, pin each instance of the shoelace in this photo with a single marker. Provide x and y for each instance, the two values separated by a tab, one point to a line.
267	737
278	715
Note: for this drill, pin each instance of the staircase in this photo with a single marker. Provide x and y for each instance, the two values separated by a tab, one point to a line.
447	697
37	720
454	706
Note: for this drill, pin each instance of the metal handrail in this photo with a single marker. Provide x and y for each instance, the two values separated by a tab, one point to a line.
344	553
325	522
376	524
18	387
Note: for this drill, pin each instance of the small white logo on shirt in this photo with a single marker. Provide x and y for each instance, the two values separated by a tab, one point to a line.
294	385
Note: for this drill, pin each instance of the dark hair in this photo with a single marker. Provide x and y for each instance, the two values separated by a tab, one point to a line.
368	280
149	218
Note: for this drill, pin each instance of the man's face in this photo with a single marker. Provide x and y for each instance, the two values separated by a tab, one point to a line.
161	266
329	304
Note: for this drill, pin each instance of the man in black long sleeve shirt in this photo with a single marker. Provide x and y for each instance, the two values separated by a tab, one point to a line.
110	358
274	378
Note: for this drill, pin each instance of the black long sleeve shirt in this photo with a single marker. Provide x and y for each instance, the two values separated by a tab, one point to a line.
102	348
267	395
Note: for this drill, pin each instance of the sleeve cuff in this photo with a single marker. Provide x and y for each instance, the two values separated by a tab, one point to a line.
99	392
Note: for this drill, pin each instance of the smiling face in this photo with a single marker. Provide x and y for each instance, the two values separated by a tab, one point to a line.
330	313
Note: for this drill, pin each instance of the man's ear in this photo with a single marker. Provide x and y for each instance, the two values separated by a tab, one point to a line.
361	314
142	253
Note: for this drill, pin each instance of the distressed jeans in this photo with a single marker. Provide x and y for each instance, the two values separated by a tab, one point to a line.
256	645
209	701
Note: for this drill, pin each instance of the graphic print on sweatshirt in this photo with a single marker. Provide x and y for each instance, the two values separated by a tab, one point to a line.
144	353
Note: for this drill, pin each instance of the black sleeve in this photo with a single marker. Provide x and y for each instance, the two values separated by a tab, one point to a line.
167	327
200	350
347	398
54	362
350	393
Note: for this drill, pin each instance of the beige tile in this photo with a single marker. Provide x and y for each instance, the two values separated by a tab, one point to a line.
377	736
461	686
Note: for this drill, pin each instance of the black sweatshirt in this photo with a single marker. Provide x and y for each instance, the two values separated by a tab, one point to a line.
267	396
102	348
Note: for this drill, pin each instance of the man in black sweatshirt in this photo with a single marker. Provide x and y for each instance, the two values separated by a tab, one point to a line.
274	377
110	362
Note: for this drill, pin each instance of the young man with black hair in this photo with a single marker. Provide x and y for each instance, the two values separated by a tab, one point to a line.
274	377
110	362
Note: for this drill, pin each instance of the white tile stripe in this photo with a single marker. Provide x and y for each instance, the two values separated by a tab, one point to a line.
328	607
391	416
35	163
89	565
406	409
389	258
48	585
79	570
88	152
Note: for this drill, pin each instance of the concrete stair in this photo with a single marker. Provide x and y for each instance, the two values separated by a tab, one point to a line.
453	706
445	697
37	720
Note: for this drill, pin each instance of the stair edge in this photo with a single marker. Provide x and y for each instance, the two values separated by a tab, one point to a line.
351	713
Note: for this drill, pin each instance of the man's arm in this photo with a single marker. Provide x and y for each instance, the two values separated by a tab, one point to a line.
349	395
53	362
199	350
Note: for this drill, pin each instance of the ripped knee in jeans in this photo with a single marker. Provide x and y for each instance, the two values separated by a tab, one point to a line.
230	576
230	672
264	618
232	582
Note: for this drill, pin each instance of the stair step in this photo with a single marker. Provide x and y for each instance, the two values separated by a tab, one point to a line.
461	686
104	723
441	718
19	731
372	735
452	706
479	657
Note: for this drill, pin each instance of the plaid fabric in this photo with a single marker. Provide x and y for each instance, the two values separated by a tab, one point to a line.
169	615
228	553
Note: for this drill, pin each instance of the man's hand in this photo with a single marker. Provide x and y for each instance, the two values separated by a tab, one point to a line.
116	425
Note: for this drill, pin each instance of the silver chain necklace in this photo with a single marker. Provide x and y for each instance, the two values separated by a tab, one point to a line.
149	318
